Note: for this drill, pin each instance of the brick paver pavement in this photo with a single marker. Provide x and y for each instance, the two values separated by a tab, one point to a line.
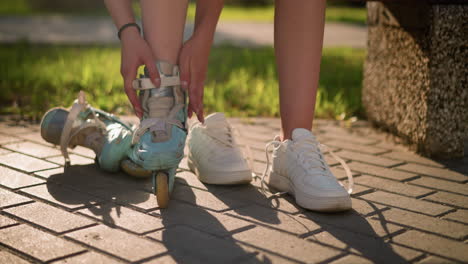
406	208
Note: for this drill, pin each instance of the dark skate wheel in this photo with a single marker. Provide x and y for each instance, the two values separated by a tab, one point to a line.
162	189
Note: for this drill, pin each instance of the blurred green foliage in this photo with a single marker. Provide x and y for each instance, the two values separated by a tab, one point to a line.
240	82
233	12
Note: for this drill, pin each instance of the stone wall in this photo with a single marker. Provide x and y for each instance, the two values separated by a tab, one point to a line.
415	75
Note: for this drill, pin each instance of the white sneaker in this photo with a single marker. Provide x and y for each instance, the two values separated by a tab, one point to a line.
299	168
214	155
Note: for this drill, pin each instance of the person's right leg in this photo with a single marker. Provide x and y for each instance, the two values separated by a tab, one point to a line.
160	138
163	27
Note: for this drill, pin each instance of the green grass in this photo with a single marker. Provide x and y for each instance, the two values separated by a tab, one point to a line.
229	13
241	81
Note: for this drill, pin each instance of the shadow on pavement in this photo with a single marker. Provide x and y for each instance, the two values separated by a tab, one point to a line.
96	186
354	233
198	235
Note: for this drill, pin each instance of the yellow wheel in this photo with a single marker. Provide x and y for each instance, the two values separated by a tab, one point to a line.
162	189
134	170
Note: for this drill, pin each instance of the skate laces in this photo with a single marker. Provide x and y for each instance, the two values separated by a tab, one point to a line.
310	156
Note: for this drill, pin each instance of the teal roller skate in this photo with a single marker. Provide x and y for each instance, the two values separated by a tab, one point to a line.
160	138
83	125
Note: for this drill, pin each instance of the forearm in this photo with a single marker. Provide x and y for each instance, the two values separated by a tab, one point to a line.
206	17
120	11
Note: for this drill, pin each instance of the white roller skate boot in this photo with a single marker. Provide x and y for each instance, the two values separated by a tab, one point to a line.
214	155
159	140
299	168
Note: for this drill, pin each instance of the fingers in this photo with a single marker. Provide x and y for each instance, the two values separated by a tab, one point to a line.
153	71
184	76
196	100
129	75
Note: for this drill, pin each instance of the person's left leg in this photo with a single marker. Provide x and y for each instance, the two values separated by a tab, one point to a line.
298	165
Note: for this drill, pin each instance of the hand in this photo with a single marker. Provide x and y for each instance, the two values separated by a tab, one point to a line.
193	63
136	52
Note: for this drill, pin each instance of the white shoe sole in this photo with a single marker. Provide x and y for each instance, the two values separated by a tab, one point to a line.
307	201
219	177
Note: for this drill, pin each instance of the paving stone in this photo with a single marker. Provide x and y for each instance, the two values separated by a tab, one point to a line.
88	257
116	215
33	149
204	198
353	222
352	259
357	189
392	186
74	160
259	167
253	144
436	260
355	147
35	137
346	136
49	217
366	207
434	172
250	194
380	171
179	213
84	152
459	216
8	198
255	256
7	257
90	180
412	157
274	219
340	173
167	259
47	173
118	243
441	185
61	195
5	139
407	203
15	179
422	222
4	151
449	198
287	246
376	160
37	243
15	129
434	244
201	246
190	179
25	163
375	249
5	221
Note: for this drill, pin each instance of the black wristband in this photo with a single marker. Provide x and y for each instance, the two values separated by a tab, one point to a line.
126	26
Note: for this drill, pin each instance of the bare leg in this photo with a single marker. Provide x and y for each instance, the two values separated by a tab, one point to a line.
163	27
299	29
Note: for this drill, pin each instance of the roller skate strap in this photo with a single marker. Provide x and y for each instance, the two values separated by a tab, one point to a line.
78	106
153	124
145	83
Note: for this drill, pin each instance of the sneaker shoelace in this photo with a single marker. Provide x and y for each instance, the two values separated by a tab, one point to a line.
223	133
306	155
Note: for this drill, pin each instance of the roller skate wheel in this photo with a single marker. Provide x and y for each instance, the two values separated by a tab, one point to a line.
162	189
